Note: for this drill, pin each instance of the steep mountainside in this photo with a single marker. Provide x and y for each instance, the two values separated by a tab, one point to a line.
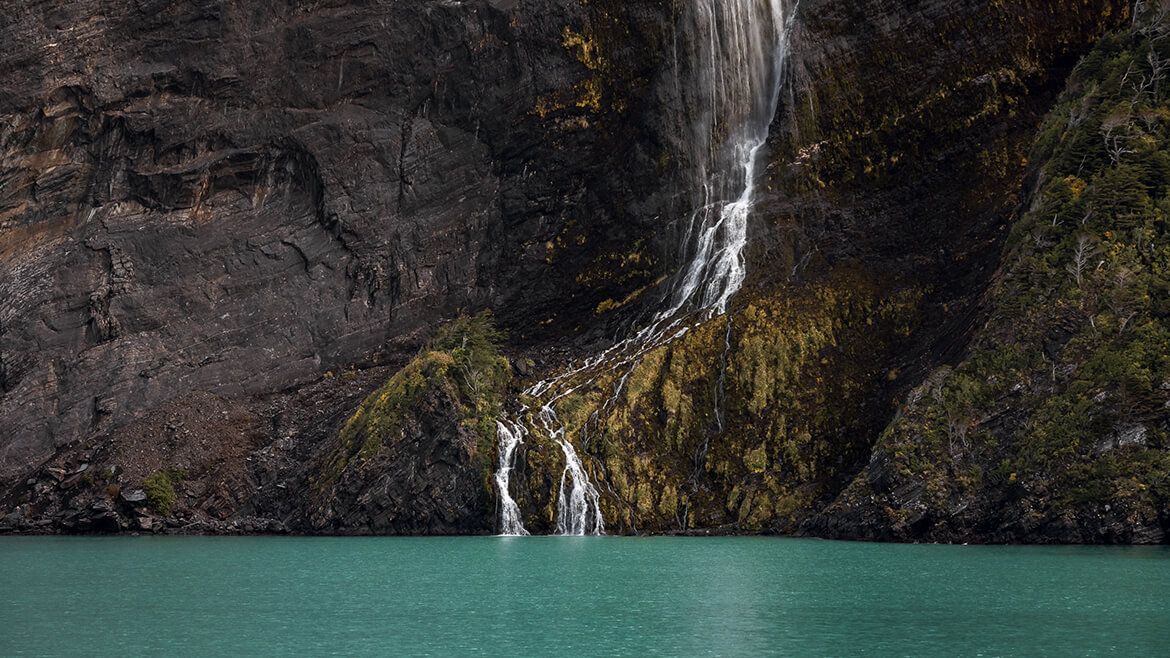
208	196
882	223
224	228
1055	426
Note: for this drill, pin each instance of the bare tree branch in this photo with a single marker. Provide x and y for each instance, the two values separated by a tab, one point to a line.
1115	129
1082	256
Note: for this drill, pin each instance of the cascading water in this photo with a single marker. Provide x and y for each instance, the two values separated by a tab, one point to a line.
729	74
578	504
510	436
738	55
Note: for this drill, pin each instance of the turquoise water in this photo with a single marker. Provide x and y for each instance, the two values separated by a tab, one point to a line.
575	596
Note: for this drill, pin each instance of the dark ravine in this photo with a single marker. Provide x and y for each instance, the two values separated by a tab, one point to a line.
221	229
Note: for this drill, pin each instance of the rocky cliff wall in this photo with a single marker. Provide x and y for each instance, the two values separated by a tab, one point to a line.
899	160
1053	427
208	196
285	192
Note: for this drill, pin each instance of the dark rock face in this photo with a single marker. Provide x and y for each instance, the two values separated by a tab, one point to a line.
1054	426
206	211
200	196
426	482
904	140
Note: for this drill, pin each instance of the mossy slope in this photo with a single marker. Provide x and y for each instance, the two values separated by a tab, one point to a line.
418	452
1056	427
742	424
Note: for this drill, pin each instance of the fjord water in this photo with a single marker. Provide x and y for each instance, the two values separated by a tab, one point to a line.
575	596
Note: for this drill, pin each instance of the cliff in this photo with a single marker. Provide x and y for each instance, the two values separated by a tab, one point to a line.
200	196
224	228
1054	425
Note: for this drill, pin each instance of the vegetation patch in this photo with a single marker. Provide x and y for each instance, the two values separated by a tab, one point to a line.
160	489
746	419
463	359
1065	394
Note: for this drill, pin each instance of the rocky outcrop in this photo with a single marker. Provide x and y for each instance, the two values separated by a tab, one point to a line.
428	478
203	196
1055	426
268	216
416	456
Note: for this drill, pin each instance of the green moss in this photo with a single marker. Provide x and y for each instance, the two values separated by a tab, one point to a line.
757	460
463	358
761	404
800	365
160	493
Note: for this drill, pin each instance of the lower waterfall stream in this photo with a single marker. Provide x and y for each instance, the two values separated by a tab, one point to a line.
510	436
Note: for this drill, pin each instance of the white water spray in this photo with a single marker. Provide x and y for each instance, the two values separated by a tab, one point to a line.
510	435
729	88
578	503
739	52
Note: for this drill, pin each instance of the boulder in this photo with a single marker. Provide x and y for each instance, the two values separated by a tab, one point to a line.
133	497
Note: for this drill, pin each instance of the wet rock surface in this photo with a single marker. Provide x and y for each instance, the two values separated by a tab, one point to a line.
222	227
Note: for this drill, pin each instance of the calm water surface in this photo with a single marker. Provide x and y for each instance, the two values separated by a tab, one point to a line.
575	596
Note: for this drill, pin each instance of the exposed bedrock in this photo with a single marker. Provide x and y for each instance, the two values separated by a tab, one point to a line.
898	164
198	199
202	196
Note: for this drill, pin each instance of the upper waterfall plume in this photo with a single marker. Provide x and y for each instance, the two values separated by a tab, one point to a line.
729	66
736	55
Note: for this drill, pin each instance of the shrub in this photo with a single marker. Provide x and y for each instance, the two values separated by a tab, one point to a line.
160	493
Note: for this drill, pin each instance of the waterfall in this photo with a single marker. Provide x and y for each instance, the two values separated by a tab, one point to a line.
738	50
729	80
578	511
510	435
578	502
